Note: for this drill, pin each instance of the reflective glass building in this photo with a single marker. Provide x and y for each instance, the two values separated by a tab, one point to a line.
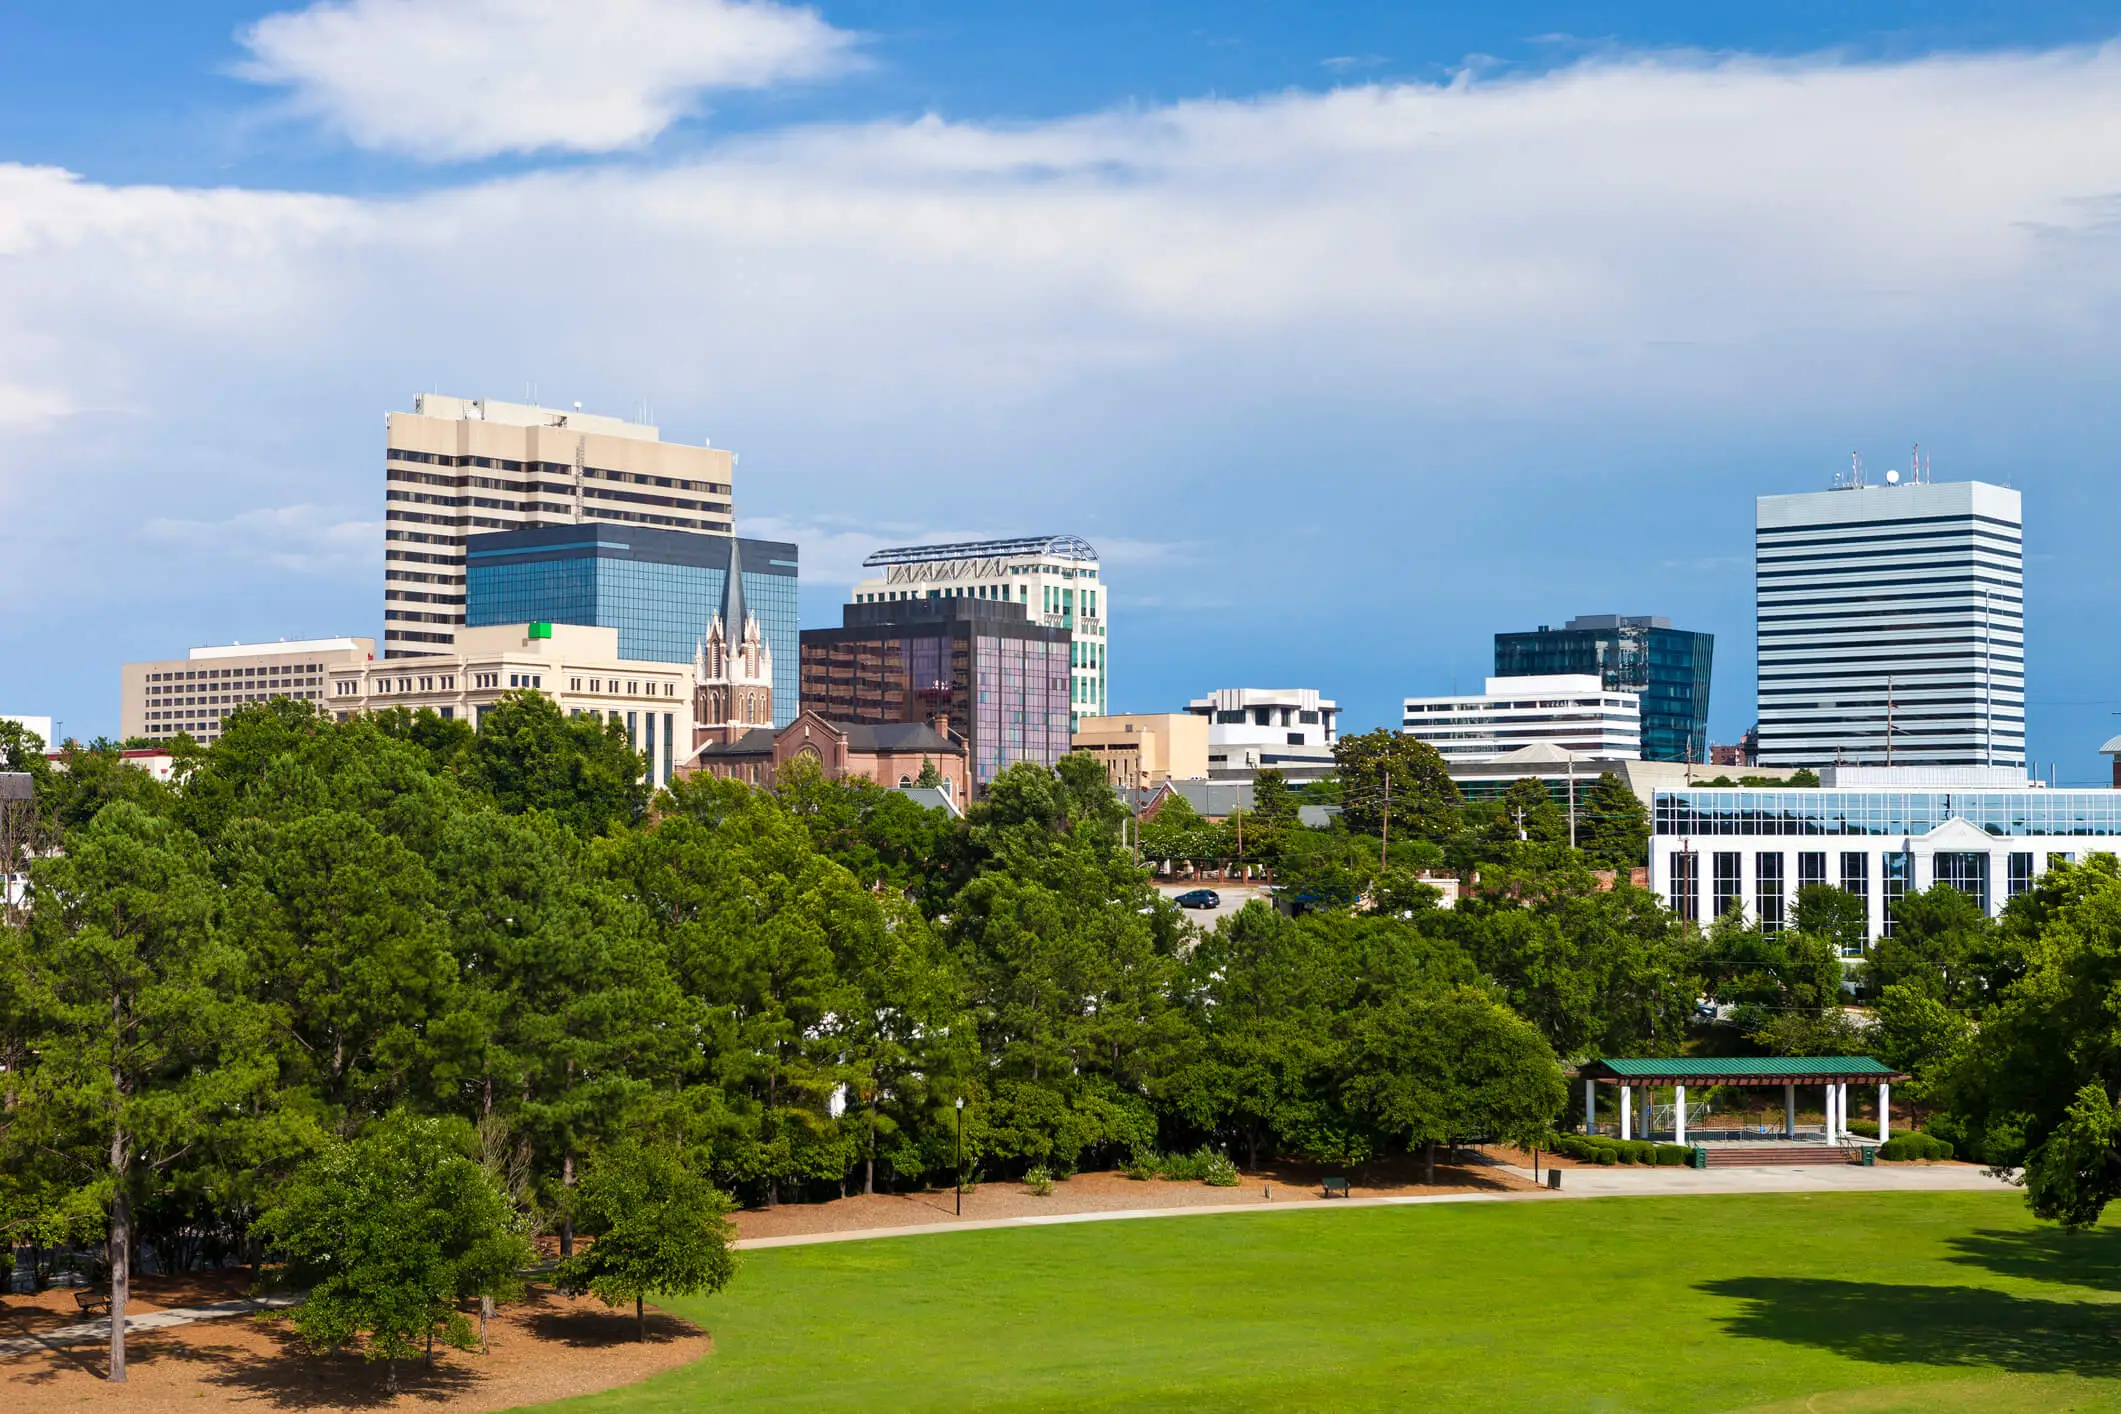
1712	850
658	588
1001	678
1667	668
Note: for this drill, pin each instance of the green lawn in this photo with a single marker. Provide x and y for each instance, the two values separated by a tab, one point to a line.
1845	1304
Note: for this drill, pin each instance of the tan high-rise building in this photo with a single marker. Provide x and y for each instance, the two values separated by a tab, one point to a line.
465	466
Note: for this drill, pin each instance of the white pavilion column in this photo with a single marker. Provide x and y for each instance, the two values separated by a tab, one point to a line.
1841	1109
1885	1111
1829	1107
1789	1110
1679	1114
1590	1105
1627	1111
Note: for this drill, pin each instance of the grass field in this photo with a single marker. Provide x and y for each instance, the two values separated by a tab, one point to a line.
1842	1304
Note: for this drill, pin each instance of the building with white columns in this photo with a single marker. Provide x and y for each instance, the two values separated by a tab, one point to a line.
1833	1074
1877	832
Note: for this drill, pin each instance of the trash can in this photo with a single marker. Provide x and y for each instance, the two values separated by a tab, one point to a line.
1870	1156
1697	1157
1554	1178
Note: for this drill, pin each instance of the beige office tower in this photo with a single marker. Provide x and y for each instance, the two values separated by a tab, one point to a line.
455	467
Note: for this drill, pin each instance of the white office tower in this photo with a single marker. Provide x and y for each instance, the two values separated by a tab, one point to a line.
1891	622
1053	577
1574	711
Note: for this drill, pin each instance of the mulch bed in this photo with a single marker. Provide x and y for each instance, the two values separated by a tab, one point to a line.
544	1348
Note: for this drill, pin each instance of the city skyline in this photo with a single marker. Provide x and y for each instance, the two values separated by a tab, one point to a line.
1340	312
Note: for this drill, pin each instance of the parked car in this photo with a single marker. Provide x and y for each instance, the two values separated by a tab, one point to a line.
1199	898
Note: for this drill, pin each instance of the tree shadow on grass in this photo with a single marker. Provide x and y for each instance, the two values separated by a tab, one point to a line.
2088	1259
1928	1325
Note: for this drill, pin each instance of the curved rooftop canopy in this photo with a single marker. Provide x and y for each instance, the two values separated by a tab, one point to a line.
1063	547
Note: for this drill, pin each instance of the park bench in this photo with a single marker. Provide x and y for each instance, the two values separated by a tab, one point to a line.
1336	1188
92	1303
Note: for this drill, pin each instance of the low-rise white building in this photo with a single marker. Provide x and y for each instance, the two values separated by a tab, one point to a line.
1290	729
577	666
1878	833
191	696
1572	711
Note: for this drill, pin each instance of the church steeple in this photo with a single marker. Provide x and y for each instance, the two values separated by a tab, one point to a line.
732	669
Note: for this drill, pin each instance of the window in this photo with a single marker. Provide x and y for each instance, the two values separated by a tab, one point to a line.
1893	874
1856	877
1966	871
1768	886
2021	875
1684	896
1730	881
1811	869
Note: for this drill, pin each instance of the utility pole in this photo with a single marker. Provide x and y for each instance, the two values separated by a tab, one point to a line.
1384	841
1572	800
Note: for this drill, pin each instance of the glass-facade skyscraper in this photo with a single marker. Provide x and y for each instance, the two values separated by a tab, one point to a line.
1667	668
658	588
1000	676
1892	626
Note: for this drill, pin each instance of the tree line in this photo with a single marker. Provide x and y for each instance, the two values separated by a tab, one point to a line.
330	953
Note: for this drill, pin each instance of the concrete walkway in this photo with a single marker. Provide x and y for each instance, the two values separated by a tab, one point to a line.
1619	1181
1602	1182
97	1332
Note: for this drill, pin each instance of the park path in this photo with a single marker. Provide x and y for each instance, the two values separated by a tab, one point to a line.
1576	1183
97	1332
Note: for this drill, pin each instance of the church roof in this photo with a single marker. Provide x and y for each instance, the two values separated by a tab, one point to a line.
756	742
894	736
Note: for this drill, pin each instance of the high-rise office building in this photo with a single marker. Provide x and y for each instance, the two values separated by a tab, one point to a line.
985	670
661	589
455	467
1892	625
1668	668
1053	577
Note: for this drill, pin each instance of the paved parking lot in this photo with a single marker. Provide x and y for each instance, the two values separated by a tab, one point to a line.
1234	897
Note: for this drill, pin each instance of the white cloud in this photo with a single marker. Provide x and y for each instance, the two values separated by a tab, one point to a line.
305	540
1209	320
456	79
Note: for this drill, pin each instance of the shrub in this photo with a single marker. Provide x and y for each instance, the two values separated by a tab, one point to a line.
1142	1166
1868	1128
1645	1151
1039	1179
1673	1155
1219	1172
1607	1156
1916	1145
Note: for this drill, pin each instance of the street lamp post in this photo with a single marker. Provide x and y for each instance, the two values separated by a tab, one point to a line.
961	1156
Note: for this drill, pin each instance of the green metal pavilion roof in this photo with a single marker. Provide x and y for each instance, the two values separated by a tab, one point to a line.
1739	1070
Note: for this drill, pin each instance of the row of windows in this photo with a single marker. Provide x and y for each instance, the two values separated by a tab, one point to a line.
555	469
1835	812
275	670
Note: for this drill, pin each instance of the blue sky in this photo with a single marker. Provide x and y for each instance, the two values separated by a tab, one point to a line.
1351	334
